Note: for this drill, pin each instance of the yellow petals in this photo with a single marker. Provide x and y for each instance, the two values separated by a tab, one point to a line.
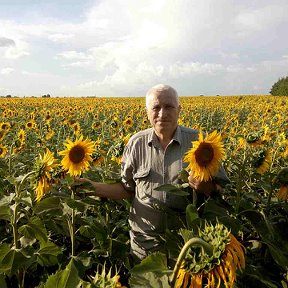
205	156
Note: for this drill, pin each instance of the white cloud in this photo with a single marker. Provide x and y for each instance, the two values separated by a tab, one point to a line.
6	42
178	69
73	55
15	52
6	71
119	46
59	37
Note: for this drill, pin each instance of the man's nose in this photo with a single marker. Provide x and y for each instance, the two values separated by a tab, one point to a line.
162	112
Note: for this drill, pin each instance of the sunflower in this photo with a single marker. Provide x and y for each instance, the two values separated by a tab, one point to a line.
282	193
21	136
44	167
76	128
2	134
50	134
30	124
3	151
205	156
263	161
5	126
228	256
77	155
128	122
254	139
97	159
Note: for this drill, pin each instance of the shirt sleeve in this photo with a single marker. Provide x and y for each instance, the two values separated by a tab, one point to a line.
127	169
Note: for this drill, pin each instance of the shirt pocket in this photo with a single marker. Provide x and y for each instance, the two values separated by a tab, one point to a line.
142	179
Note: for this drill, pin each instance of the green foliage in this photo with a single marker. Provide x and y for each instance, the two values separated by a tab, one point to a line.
280	88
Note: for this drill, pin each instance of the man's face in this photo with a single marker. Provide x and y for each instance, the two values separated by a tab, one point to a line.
163	111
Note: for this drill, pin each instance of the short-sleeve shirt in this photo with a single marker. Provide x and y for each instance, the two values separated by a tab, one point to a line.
146	166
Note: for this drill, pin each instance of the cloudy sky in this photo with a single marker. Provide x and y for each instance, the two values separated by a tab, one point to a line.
123	47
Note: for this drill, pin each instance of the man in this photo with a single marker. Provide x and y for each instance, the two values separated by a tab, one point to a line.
153	157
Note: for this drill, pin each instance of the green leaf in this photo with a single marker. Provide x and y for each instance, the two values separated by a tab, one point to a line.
11	260
3	281
6	200
94	230
149	280
47	205
66	278
260	223
280	256
47	254
212	209
5	212
192	217
173	189
155	262
76	204
34	229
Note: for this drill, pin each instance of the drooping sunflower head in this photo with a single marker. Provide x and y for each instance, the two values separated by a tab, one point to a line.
104	278
77	155
220	267
44	166
205	156
262	161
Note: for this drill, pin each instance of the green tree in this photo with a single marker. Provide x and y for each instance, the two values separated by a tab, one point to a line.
280	88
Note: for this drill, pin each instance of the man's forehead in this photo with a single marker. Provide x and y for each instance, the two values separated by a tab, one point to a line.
161	96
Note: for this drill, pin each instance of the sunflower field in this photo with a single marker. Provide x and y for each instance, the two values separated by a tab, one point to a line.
54	234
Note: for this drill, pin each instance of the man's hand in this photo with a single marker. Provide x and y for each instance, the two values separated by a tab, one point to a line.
207	187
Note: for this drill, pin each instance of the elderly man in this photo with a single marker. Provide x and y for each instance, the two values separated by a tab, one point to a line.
153	157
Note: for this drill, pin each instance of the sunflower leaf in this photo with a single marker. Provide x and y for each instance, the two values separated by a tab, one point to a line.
173	189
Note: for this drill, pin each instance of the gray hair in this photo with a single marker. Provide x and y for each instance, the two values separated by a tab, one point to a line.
160	88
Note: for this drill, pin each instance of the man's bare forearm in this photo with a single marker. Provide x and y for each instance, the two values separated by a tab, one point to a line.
112	191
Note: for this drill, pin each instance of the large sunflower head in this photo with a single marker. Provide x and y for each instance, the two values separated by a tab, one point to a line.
44	166
77	155
198	268
205	156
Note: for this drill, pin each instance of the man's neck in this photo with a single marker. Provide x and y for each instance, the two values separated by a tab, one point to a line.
164	138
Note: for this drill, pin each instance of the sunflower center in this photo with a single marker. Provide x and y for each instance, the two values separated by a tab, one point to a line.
204	154
77	154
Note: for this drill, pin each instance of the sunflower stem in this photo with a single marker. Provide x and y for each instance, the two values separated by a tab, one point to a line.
194	201
72	227
195	241
18	187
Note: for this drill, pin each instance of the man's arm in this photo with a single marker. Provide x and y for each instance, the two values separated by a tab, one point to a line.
112	191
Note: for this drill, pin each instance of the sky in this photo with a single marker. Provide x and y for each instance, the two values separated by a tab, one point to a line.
124	47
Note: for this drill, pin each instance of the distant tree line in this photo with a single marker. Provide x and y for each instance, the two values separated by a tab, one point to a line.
280	88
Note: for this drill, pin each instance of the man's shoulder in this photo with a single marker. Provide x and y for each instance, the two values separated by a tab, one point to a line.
188	131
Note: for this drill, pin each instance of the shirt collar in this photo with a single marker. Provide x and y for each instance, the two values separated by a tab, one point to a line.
152	139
